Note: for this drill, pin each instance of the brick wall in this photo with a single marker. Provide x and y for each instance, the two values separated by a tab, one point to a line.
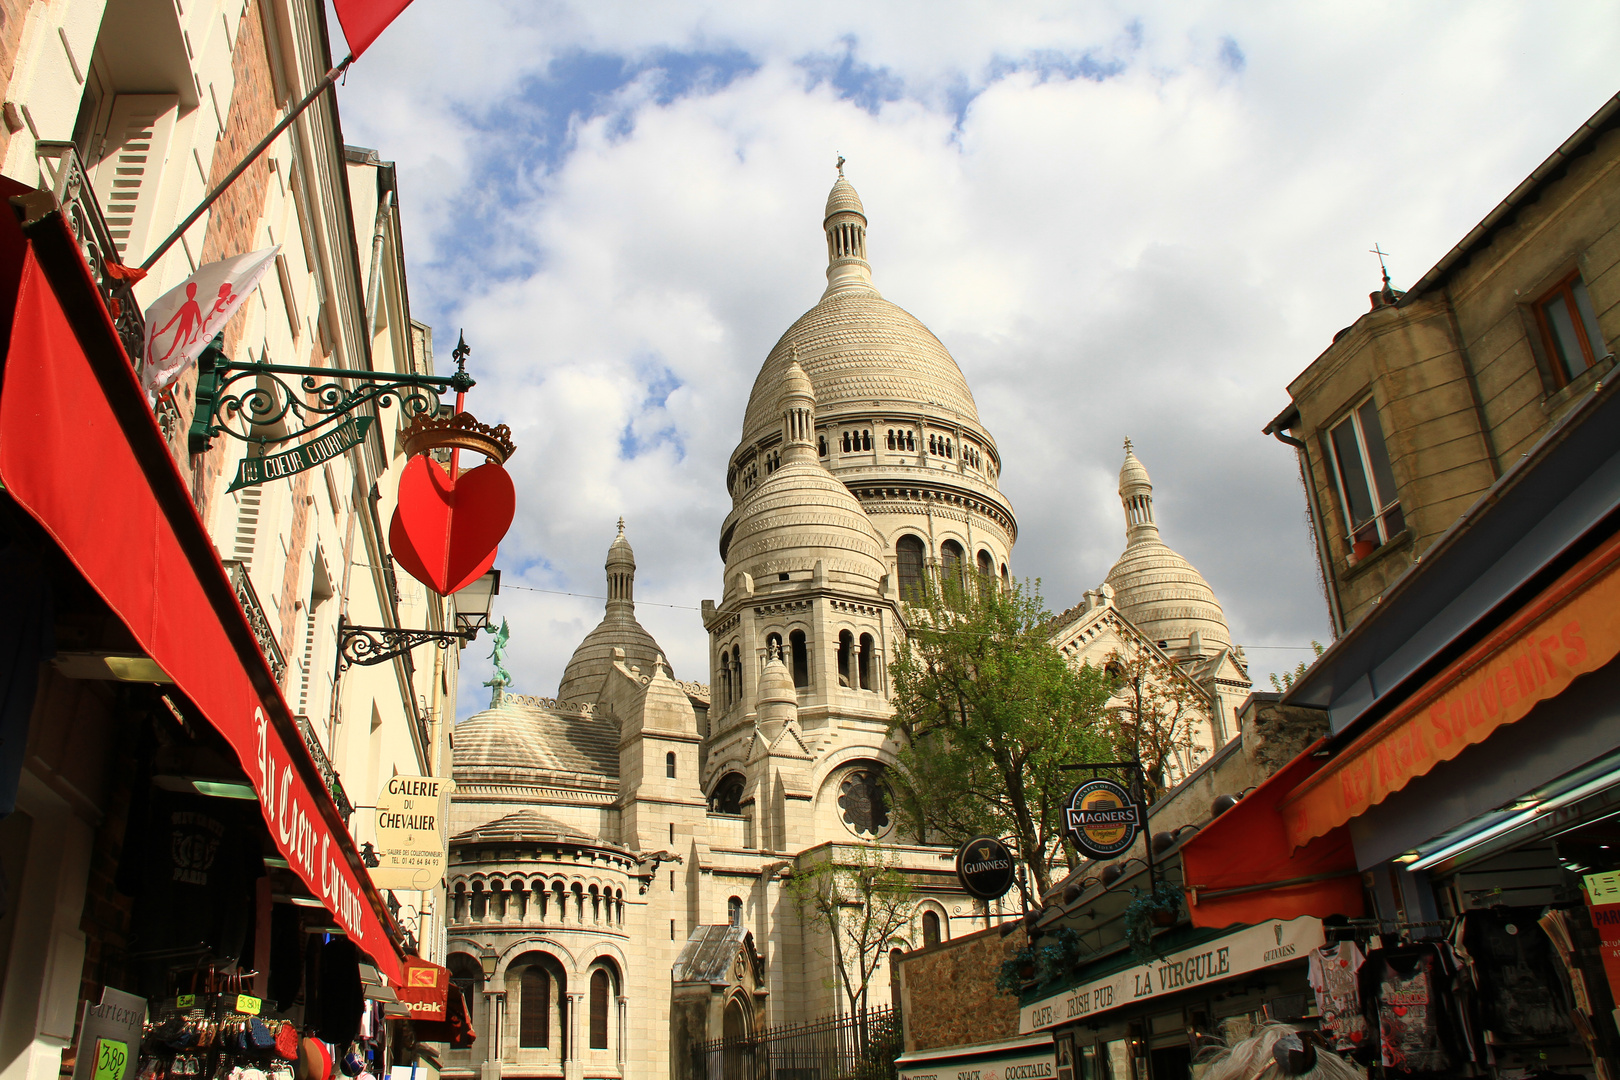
948	992
233	223
13	17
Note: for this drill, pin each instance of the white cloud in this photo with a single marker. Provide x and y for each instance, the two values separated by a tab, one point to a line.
621	204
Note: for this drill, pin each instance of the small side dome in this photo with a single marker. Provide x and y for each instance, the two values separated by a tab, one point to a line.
588	668
796	384
843	198
775	682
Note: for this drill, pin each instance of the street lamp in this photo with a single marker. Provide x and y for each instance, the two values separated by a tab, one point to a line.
367	645
473	603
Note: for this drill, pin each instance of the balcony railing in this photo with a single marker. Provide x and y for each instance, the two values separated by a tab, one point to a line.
323	765
63	174
243	586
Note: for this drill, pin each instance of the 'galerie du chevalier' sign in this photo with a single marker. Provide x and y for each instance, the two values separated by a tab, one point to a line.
412	838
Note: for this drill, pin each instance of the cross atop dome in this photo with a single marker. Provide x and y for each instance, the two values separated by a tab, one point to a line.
840	166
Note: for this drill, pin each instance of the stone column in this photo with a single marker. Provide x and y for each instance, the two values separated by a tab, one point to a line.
573	1053
495	1011
624	1019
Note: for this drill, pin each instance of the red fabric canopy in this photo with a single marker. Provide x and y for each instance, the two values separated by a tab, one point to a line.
1241	868
81	452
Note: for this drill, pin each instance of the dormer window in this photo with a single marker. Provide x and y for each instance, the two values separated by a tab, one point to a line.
1569	329
1366	483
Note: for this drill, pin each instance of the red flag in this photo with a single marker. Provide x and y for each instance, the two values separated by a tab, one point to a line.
363	20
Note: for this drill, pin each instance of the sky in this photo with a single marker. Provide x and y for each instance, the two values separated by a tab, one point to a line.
1122	220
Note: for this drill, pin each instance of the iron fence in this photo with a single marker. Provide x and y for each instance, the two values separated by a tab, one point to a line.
860	1046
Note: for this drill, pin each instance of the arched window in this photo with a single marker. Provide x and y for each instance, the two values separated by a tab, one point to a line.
601	985
669	764
534	1007
728	793
987	565
1006	578
800	655
908	552
911	440
950	557
734	911
930	929
821	443
891	438
866	440
932	443
725	681
863	667
846	442
846	646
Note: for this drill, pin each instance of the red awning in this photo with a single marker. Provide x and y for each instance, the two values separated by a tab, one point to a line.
81	452
1241	868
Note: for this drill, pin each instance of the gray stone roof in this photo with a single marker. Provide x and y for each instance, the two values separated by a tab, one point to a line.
706	956
523	827
531	738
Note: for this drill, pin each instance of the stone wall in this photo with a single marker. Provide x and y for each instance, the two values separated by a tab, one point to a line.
948	994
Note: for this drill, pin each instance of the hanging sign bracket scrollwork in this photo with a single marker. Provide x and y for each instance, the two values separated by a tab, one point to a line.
268	405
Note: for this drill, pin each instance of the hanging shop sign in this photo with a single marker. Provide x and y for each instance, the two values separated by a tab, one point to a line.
425	989
1102	820
1572	628
984	866
257	470
446	531
412	839
1013	1059
1250	949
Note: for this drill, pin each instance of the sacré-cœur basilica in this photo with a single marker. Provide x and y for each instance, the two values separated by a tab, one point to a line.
619	851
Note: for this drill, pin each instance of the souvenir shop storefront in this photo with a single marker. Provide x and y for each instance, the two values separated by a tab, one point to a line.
1474	765
180	896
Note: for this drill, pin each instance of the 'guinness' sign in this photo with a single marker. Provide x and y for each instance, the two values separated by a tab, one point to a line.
984	866
1101	818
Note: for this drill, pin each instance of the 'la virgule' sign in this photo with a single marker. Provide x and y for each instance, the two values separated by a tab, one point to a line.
258	470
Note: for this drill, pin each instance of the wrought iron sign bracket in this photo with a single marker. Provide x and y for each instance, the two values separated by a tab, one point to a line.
368	645
270	404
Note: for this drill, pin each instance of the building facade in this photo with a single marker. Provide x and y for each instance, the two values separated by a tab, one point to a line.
123	116
1418	407
621	850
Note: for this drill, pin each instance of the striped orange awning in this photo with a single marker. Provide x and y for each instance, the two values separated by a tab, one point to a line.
1572	627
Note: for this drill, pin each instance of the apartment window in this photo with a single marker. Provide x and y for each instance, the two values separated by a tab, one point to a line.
1569	329
1366	484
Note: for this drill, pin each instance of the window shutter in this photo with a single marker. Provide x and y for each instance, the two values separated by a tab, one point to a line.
126	178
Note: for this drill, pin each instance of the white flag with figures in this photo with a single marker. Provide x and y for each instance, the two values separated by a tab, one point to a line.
181	322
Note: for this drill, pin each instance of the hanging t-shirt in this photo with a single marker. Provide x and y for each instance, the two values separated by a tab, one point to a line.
191	866
1520	995
1333	975
1404	991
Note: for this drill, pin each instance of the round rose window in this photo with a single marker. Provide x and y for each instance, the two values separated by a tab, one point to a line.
863	802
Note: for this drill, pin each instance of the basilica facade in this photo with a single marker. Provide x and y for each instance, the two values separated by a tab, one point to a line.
620	853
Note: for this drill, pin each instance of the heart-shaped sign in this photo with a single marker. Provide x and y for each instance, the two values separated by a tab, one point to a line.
445	532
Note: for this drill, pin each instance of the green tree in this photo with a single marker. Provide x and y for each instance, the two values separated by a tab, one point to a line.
987	710
1154	711
858	898
1287	679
